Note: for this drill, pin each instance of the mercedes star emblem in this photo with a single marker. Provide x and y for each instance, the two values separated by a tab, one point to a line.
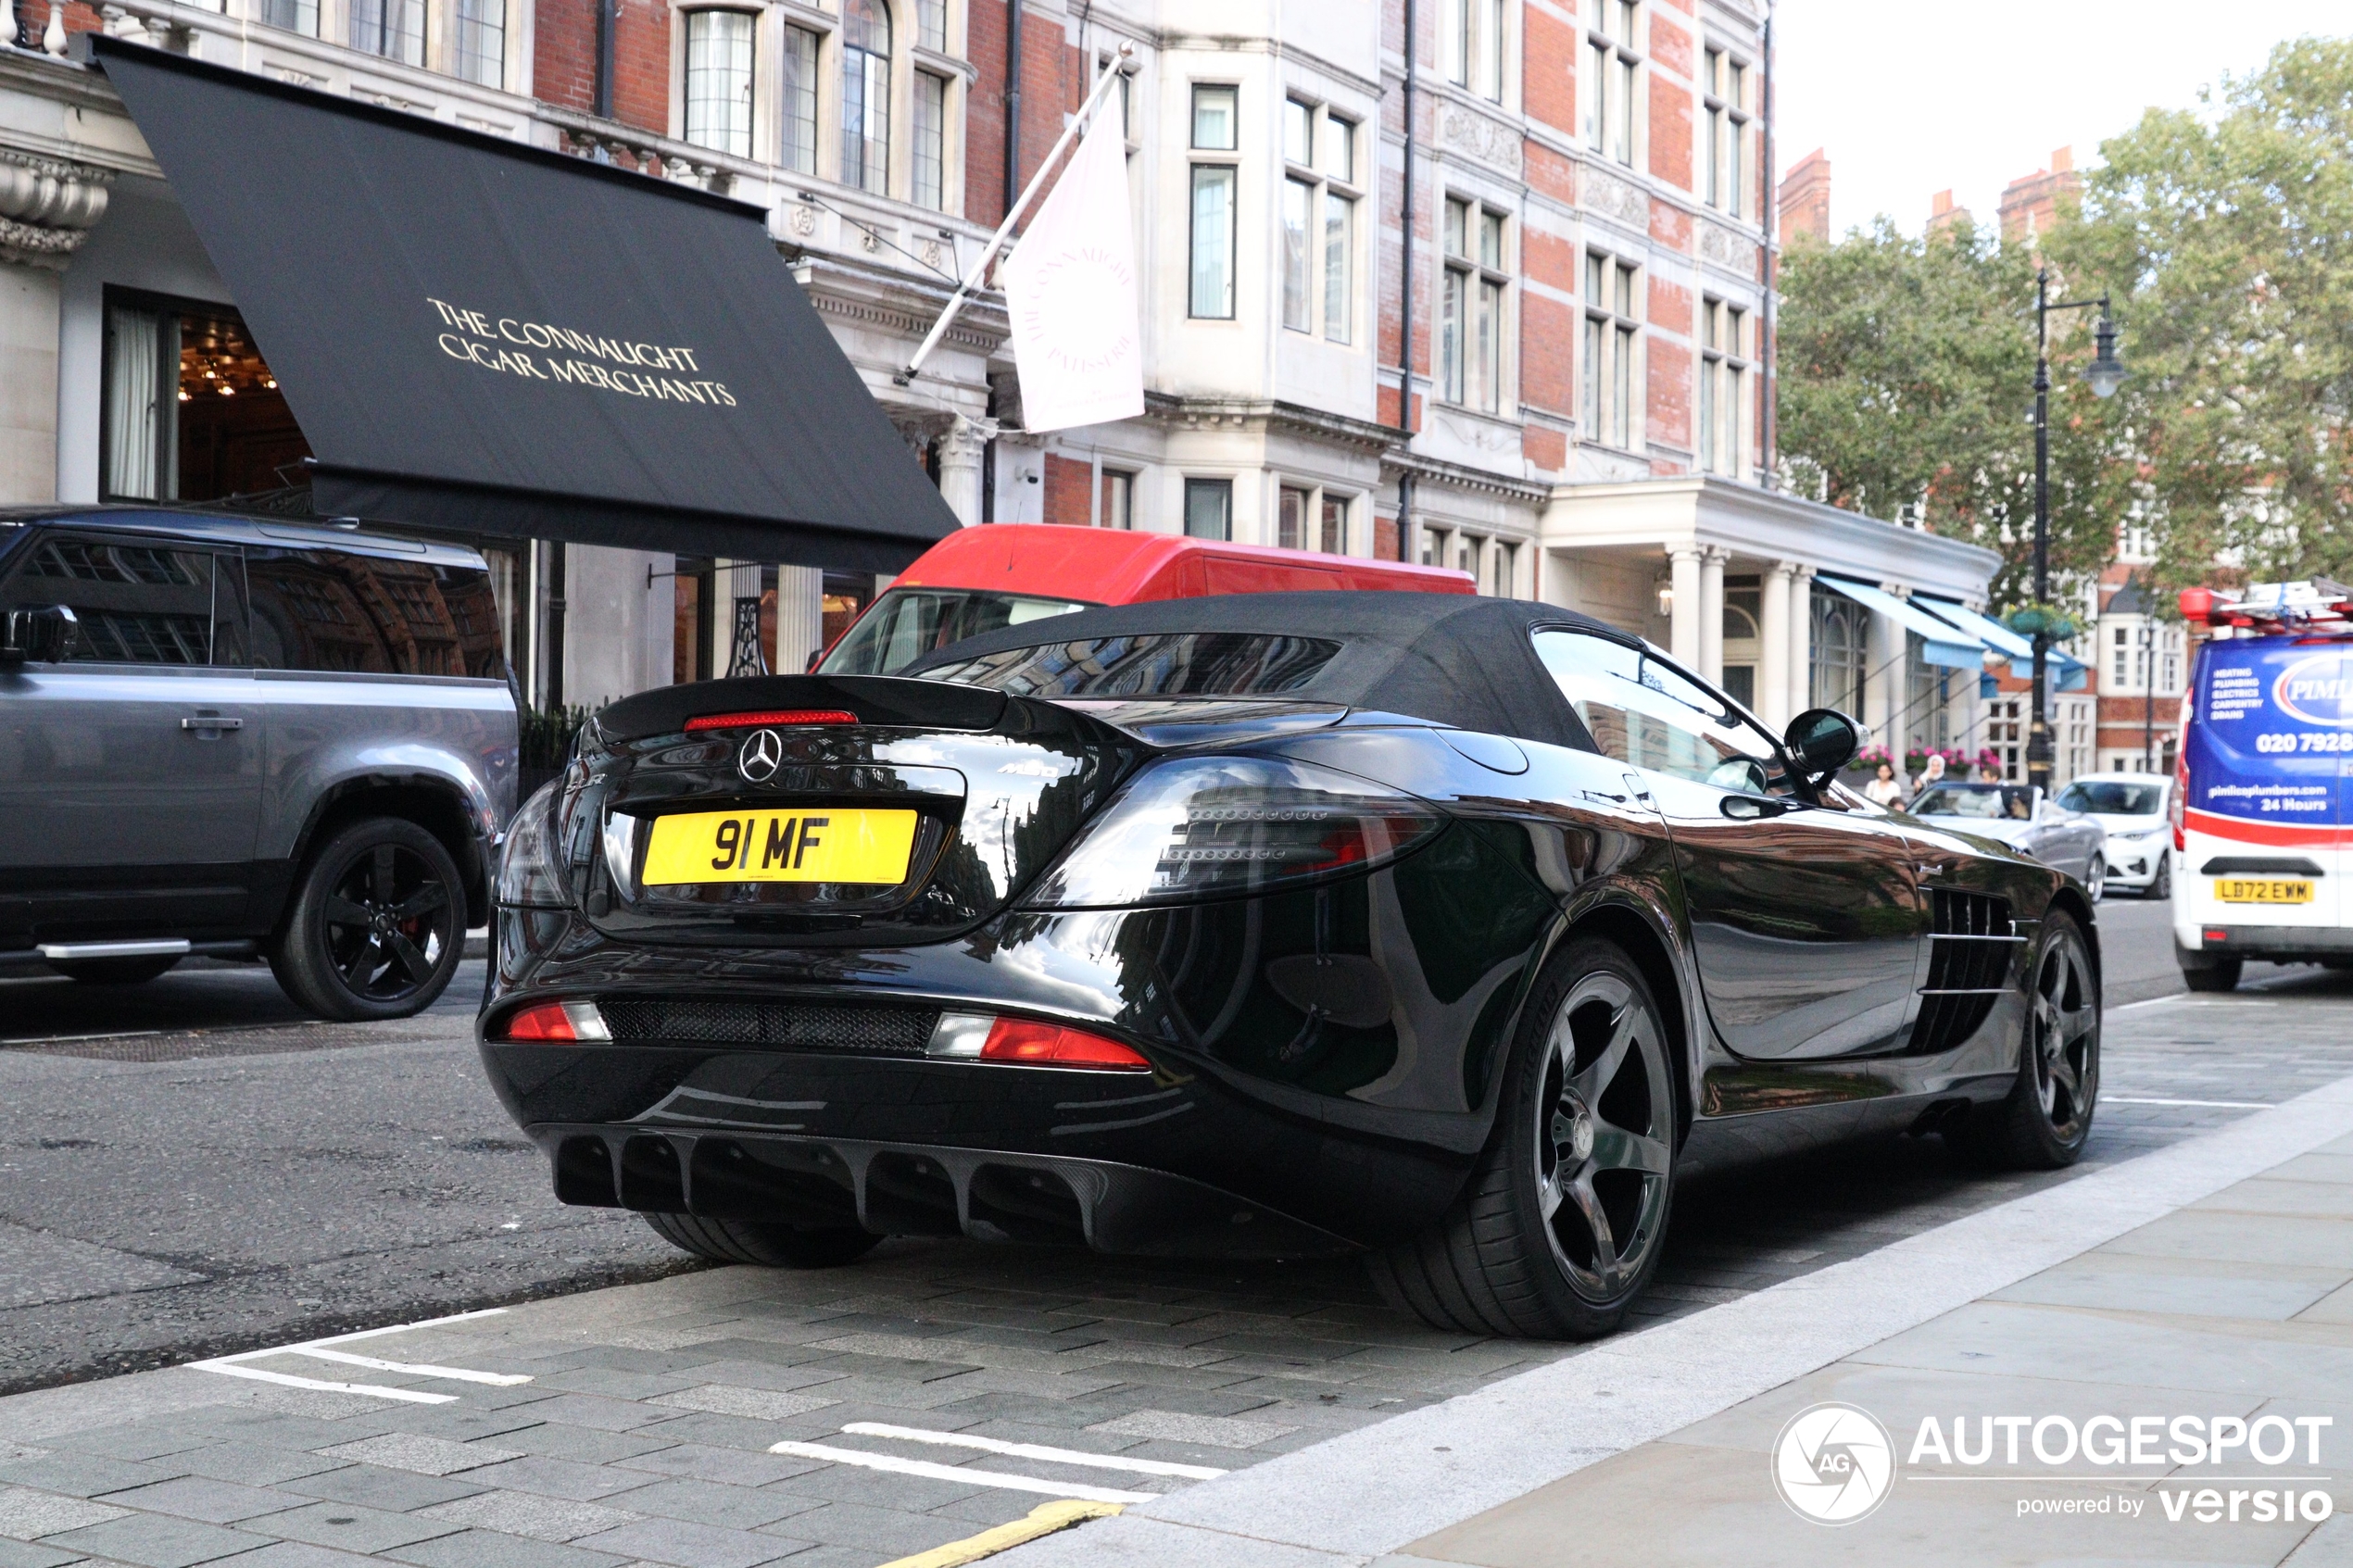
762	751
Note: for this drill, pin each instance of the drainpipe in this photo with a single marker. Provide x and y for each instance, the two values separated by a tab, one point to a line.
1013	103
608	23
1770	200
1406	303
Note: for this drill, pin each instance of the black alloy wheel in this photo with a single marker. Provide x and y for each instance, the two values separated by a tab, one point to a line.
763	1243
1561	1226
115	972
376	928
2046	1119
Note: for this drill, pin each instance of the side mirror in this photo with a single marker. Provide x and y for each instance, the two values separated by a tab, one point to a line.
1821	741
41	635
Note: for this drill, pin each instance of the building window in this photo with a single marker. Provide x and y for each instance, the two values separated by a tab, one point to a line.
931	25
1434	542
1724	95
1612	291
395	29
1505	561
719	80
1838	652
800	100
1292	509
1319	194
1209	508
1117	504
931	140
1473	44
188	409
865	96
1211	295
1723	385
295	16
1611	63
1334	540
482	41
1472	330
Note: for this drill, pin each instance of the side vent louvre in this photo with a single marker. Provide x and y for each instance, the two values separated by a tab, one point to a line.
1970	944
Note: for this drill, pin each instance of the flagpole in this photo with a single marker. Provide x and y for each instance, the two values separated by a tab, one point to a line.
997	241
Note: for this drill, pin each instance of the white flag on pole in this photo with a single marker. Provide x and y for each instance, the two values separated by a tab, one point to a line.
1070	288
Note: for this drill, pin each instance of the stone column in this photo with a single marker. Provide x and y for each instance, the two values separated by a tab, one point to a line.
1773	647
960	455
1801	640
1684	616
1711	612
1883	679
800	617
47	208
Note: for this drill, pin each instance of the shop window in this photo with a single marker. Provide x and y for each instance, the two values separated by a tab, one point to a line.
1209	508
719	80
189	411
481	28
865	96
394	29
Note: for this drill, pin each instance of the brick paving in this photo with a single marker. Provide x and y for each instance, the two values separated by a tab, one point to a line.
644	1433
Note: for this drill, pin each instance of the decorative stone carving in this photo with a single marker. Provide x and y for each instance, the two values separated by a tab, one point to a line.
1612	197
804	219
47	207
1476	136
1726	248
1477	433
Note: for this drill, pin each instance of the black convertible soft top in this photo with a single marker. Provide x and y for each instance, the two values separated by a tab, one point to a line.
1452	659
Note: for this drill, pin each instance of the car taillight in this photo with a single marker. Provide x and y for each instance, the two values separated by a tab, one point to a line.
1216	826
970	1036
781	716
556	1022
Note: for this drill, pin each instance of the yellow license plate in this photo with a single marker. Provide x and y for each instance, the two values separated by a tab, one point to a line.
822	844
2261	890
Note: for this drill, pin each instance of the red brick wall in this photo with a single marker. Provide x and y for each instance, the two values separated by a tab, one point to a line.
1385	538
1069	483
641	65
1545	448
1547	352
1548	80
563	53
1054	80
1670	130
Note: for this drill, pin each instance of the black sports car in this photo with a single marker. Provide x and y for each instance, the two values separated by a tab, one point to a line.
1449	930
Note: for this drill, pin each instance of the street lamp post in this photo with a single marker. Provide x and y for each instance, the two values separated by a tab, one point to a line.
2106	373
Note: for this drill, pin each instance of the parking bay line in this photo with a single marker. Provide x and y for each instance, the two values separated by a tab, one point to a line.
2200	1104
959	1474
1034	1450
234	1366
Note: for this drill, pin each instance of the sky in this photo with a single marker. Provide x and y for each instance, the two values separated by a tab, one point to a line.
1910	97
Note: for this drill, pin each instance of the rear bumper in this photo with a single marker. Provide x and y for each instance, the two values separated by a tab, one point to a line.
920	1189
2279	941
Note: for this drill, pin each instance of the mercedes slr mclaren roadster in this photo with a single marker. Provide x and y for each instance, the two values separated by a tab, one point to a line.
1450	931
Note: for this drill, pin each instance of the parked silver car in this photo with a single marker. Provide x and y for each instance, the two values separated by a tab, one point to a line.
2024	818
237	737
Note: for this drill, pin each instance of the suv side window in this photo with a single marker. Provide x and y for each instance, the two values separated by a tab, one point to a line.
1645	712
333	610
137	601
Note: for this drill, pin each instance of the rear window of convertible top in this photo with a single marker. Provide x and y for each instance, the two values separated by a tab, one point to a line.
1150	664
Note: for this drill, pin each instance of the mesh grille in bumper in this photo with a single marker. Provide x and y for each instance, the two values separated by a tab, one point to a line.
882	1031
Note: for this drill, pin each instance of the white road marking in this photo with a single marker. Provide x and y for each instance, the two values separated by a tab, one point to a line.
1033	1450
959	1473
2204	1104
234	1366
2153	1001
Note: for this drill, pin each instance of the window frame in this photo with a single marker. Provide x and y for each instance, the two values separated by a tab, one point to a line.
873	182
1610	81
1612	407
1215	485
693	20
1475	47
1474	315
1212	166
1323	190
1725	120
1725	363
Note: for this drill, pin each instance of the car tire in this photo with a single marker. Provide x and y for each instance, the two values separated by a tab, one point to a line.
2044	1120
376	928
2223	975
2161	884
1583	1151
114	971
2096	878
763	1244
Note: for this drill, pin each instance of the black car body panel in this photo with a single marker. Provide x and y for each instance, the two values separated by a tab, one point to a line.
1325	1057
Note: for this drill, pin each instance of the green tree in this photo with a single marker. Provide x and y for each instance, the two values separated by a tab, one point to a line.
1906	378
2228	236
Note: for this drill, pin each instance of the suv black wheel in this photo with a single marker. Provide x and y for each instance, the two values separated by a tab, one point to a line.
115	972
376	928
2047	1118
758	1242
1561	1225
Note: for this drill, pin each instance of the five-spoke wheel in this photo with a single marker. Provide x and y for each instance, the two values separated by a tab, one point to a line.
1602	1146
377	926
2047	1116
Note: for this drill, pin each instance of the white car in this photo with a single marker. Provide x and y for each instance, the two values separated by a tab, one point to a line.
2136	809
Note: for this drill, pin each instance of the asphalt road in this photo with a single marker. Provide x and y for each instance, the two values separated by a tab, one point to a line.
189	1168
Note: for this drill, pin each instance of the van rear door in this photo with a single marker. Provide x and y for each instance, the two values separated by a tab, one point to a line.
2268	808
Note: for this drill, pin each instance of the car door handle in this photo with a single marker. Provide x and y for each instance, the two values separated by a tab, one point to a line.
211	721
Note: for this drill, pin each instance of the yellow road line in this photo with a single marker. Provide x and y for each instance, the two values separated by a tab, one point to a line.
1043	1520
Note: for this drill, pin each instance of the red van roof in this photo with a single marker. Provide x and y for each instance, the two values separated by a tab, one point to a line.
1113	566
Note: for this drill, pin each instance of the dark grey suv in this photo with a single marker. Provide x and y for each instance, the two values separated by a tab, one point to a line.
236	737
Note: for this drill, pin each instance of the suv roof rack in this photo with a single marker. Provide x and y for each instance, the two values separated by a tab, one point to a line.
2313	606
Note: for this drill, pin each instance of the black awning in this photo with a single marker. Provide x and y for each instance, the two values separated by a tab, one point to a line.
480	335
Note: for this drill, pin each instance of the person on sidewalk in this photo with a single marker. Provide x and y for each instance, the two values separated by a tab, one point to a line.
1886	789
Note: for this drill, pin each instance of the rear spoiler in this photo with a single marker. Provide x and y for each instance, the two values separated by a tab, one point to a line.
886	700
